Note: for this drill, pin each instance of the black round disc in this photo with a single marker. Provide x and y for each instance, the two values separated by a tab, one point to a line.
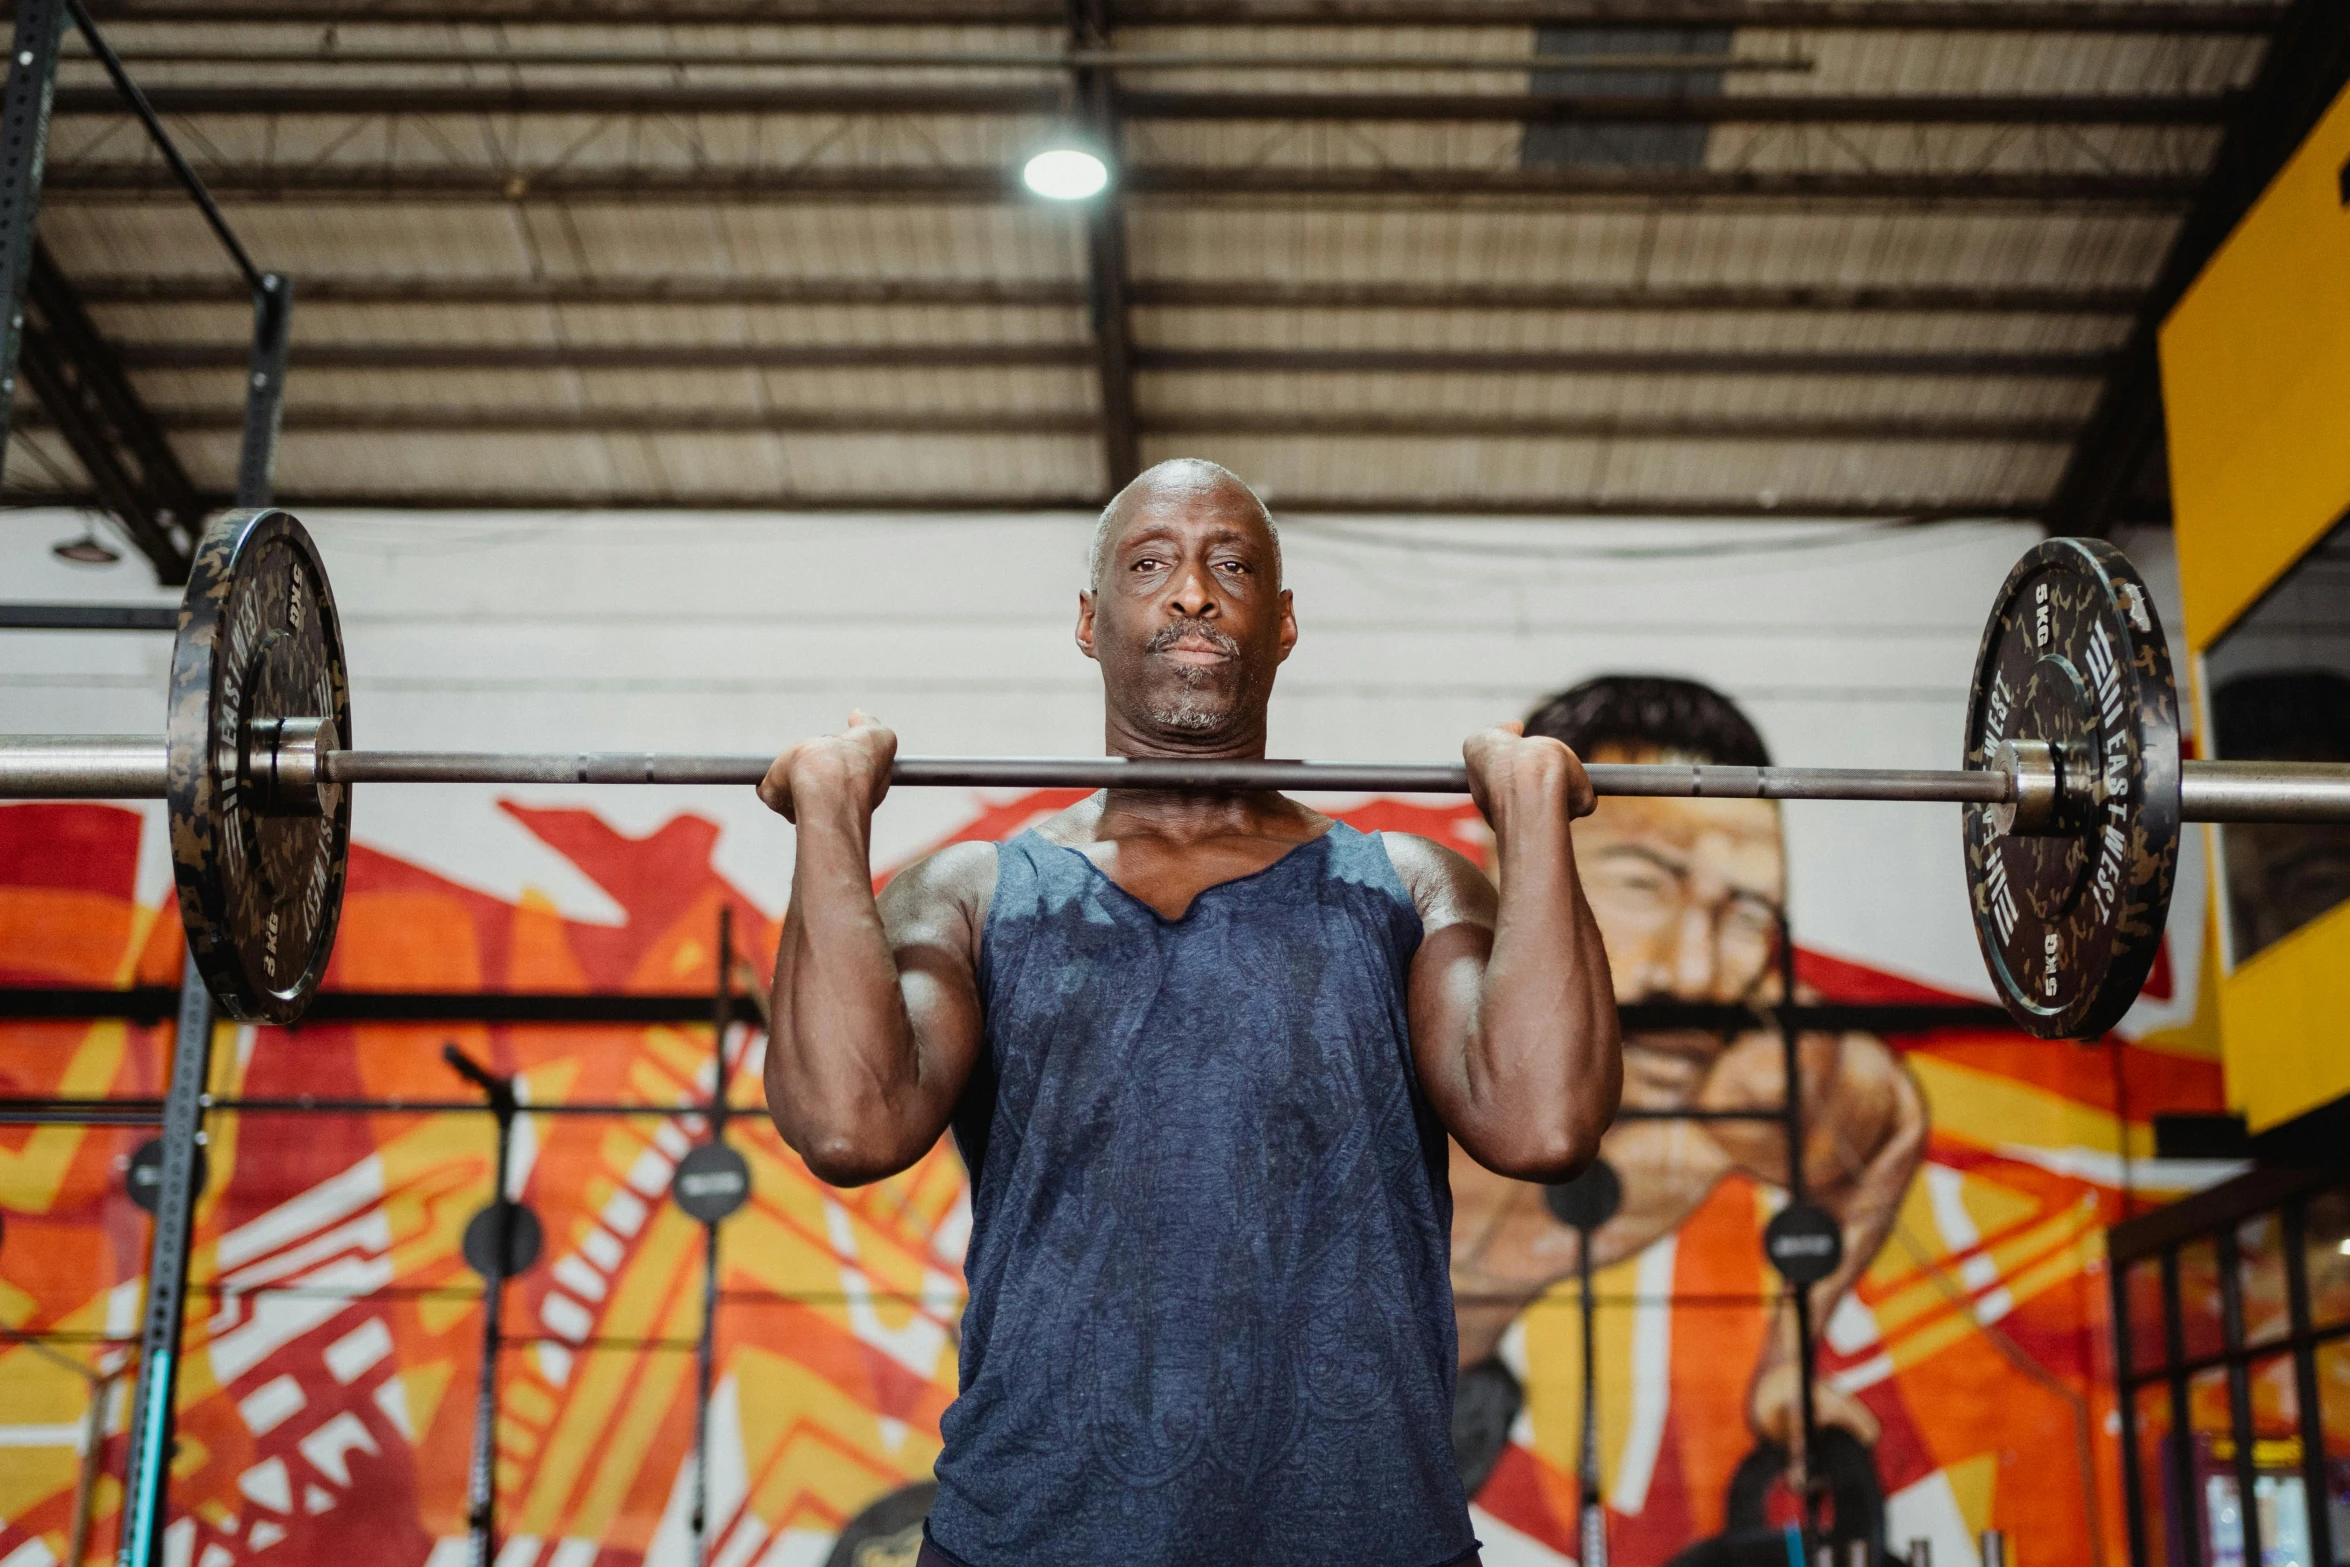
1589	1200
1804	1242
2070	921
523	1242
142	1178
259	889
712	1181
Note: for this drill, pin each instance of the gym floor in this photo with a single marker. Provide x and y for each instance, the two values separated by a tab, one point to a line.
675	378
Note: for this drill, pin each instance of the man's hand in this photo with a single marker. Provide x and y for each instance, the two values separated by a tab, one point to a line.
1507	771
851	765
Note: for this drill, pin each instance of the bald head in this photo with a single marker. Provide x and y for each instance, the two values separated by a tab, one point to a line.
1185	483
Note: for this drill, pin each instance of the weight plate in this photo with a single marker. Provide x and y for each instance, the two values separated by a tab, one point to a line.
1804	1242
2070	919
712	1181
260	880
523	1242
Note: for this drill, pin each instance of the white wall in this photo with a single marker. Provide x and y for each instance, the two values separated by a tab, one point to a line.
1849	645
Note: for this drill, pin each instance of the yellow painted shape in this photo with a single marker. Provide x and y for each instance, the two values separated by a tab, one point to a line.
802	1440
1554	1371
1971	1483
1910	1349
16	1307
1994	1111
424	1385
1938	1288
2199	1037
529	1402
2255	377
2281	1021
616	1402
31	1174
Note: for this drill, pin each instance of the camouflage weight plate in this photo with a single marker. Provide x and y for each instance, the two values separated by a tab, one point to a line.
260	864
2070	917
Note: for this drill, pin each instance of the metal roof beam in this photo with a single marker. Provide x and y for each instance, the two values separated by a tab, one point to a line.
2018	16
89	401
508	420
1106	272
2306	66
87	184
1776	509
1179	294
949	356
669	99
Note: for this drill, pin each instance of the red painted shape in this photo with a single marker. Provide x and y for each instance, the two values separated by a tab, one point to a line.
85	848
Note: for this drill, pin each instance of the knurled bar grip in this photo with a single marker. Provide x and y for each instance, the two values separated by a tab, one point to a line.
132	767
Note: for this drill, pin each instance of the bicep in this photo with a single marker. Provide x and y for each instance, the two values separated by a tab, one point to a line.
1457	908
931	915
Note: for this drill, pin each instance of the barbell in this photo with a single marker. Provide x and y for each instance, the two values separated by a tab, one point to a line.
2073	790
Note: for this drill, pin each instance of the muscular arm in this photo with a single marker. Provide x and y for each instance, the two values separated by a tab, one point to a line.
1513	1015
876	1017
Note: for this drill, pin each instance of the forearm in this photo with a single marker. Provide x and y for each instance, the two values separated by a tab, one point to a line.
843	1070
1544	1061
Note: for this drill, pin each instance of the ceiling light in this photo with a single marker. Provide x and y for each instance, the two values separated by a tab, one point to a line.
88	550
1066	174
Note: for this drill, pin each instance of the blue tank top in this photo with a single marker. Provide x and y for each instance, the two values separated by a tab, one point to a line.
1211	1315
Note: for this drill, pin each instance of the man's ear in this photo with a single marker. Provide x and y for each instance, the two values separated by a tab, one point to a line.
1085	624
1288	632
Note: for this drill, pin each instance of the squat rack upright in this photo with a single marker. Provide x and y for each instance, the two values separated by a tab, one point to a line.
24	145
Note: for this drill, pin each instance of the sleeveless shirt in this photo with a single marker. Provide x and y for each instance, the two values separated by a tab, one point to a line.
1210	1317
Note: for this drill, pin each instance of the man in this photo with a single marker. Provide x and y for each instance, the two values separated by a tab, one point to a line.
1201	1054
1688	895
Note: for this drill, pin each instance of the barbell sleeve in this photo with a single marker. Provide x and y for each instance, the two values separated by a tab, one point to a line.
81	767
132	767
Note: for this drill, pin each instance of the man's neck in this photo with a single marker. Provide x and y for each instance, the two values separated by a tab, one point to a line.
1187	817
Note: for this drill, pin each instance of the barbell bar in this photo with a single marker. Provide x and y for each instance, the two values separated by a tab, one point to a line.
134	767
2071	798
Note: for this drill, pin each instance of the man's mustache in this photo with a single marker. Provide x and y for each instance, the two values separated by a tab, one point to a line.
1194	630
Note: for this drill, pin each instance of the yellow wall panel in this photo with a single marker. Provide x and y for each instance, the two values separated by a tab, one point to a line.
2256	385
2282	1019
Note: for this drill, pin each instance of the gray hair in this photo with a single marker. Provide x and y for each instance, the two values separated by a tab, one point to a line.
1100	546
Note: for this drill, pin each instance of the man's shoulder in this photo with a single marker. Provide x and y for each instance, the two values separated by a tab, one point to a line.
947	884
1445	885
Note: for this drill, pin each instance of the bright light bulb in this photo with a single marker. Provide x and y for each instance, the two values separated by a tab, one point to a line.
1066	174
2344	1248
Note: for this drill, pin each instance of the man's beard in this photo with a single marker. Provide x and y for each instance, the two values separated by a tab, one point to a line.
1198	706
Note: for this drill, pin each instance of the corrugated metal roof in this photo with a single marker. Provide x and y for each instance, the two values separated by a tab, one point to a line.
1900	332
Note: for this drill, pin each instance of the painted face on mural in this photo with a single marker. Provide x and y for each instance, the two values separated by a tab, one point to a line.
1687	894
1186	614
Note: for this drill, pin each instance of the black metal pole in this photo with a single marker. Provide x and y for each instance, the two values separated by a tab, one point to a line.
24	148
1591	1511
265	381
705	1353
481	1485
1806	1359
154	1399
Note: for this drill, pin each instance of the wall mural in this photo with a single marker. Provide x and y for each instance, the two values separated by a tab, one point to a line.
327	1405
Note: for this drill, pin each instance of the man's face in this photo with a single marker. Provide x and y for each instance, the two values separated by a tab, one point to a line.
1189	620
1686	892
